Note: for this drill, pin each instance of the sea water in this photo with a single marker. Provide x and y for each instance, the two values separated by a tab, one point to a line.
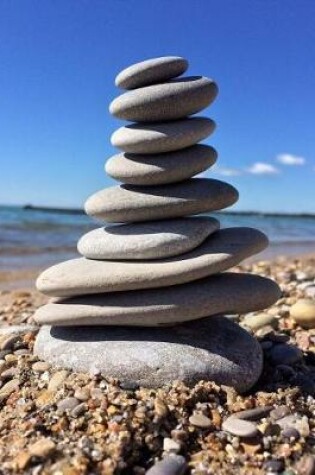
32	238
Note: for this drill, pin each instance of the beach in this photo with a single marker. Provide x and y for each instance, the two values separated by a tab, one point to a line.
53	421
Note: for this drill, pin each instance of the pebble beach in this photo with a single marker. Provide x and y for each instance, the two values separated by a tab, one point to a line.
54	421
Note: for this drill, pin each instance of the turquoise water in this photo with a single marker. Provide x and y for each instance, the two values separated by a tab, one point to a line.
30	238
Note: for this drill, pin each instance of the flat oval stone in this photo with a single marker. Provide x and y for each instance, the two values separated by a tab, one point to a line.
151	71
169	465
150	240
214	349
253	414
163	168
225	293
129	203
170	100
160	137
219	252
239	427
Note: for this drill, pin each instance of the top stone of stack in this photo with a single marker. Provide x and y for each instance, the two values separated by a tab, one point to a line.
151	71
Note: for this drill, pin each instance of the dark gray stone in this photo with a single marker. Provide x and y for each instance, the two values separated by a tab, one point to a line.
213	349
151	71
285	354
171	100
160	137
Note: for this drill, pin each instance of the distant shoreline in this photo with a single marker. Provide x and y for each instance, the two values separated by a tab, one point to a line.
51	209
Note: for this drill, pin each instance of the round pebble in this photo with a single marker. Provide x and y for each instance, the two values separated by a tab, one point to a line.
303	312
83	394
279	412
285	354
239	427
67	404
290	433
201	421
260	320
40	366
274	466
169	465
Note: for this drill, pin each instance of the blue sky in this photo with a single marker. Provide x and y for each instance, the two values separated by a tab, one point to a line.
58	61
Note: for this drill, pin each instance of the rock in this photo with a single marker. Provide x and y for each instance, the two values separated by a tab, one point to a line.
9	388
279	412
310	292
129	203
253	414
171	100
169	465
221	251
290	433
8	342
163	168
160	137
83	394
151	71
57	380
201	421
306	465
79	410
285	354
67	404
239	427
40	367
170	445
258	321
303	312
42	448
149	240
223	293
274	466
213	349
17	329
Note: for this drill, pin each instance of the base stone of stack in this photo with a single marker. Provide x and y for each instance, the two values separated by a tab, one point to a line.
213	348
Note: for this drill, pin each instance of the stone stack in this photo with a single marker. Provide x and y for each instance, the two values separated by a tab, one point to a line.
145	302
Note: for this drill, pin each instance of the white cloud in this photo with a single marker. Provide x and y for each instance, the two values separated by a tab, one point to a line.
261	168
228	171
288	159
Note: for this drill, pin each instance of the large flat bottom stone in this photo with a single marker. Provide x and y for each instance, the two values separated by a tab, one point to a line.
213	348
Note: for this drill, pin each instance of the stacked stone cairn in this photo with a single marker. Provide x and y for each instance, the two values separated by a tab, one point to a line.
144	304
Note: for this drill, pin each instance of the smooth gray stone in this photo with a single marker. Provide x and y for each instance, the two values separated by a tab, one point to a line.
129	203
213	349
219	252
170	100
239	427
151	71
223	293
149	240
169	465
160	137
163	168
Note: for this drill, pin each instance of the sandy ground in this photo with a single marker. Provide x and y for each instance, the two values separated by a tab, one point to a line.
57	422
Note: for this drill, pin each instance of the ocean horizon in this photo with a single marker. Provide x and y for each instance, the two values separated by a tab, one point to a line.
34	237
